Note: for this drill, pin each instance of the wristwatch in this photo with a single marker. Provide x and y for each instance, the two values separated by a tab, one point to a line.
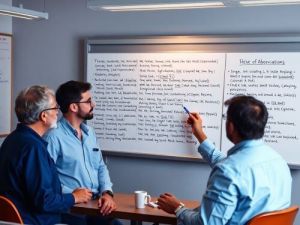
109	193
181	205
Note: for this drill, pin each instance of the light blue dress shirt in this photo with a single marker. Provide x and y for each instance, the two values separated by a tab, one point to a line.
79	162
252	179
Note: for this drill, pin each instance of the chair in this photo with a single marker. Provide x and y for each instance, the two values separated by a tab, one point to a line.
280	217
9	212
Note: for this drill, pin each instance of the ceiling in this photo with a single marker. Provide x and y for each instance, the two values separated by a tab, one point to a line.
138	5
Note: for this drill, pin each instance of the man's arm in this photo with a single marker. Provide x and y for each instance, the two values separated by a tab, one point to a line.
106	202
210	153
40	183
103	176
217	206
196	122
207	150
43	186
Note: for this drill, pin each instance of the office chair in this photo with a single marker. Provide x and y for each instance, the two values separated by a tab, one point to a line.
280	217
9	212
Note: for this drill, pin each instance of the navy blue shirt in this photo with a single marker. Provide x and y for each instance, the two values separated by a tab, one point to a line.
29	178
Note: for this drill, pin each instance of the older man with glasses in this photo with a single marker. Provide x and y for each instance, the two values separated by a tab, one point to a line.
74	148
27	172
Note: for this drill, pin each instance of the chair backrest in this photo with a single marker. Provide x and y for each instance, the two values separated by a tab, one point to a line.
280	217
8	211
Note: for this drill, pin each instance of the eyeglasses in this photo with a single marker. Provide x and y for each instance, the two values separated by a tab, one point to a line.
89	101
53	108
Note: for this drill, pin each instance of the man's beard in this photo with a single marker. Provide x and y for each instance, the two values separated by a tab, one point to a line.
87	116
53	125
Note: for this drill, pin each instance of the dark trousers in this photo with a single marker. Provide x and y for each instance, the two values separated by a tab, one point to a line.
75	219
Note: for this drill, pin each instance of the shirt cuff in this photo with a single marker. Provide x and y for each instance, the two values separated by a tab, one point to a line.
105	189
180	211
205	148
69	200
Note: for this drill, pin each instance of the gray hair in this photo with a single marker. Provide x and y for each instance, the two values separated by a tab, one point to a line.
31	102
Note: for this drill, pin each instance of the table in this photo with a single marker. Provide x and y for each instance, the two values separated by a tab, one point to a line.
126	210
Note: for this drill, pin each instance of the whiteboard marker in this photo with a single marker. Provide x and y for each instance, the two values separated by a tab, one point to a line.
186	110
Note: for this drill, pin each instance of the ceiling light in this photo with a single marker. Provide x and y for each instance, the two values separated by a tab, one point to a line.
22	13
268	2
147	7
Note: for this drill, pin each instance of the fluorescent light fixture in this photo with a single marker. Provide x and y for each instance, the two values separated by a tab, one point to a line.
171	6
268	2
22	13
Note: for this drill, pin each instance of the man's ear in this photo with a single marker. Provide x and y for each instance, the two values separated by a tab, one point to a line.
73	107
43	117
231	128
233	133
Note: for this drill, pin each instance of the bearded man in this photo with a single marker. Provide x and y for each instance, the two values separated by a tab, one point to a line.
76	153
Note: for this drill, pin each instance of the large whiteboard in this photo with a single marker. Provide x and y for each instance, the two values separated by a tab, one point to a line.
5	83
139	98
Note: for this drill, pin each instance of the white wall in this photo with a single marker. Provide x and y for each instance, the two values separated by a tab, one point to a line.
5	27
5	21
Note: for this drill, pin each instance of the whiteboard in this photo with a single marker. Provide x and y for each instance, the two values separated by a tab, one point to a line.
5	83
139	98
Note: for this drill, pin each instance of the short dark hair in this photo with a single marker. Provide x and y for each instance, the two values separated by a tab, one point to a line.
70	92
248	115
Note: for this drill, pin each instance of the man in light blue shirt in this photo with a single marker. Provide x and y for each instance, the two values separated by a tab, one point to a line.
76	153
251	179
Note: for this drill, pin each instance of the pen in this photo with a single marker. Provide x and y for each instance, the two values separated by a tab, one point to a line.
186	110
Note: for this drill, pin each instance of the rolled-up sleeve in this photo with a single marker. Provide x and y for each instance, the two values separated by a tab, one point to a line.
218	203
210	153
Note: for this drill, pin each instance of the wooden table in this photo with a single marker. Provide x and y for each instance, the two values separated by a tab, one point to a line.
126	210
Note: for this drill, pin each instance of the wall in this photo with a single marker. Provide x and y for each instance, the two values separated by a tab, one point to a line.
51	52
5	21
5	27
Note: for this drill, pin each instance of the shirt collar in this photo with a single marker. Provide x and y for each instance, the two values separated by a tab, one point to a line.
70	128
244	144
25	128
